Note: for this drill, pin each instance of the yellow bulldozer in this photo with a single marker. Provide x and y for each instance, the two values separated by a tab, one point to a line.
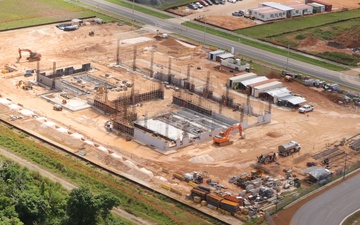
26	85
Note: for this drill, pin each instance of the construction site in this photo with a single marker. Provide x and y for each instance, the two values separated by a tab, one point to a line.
156	110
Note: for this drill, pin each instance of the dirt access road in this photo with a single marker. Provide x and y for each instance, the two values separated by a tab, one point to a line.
66	184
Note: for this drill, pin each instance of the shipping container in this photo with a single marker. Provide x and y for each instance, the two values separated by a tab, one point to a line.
199	193
214	200
233	199
229	206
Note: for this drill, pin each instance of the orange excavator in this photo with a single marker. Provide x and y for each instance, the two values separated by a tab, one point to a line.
33	56
223	139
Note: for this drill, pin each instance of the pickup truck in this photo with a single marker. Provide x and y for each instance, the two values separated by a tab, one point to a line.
306	108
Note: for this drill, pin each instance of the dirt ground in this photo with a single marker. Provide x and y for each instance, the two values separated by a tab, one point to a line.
329	123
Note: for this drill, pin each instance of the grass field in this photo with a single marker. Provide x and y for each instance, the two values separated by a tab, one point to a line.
129	4
297	24
134	199
353	219
265	47
21	13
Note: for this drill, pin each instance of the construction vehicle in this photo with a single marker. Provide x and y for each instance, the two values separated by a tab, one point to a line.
57	107
267	158
26	85
33	56
194	177
223	139
29	73
289	148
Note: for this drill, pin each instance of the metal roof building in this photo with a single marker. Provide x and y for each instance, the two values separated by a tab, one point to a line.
243	84
299	9
257	90
212	55
272	11
223	56
235	80
293	100
276	6
267	13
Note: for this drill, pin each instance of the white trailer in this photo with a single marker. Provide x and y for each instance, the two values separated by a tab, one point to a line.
235	64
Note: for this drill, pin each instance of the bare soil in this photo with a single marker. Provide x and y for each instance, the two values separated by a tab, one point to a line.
329	123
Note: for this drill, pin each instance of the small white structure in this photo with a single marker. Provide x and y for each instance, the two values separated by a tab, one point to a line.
272	11
235	64
212	55
317	6
267	13
299	9
224	56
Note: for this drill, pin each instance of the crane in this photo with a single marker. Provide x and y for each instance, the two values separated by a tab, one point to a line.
223	137
33	56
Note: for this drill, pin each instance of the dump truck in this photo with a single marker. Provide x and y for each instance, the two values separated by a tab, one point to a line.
289	148
267	158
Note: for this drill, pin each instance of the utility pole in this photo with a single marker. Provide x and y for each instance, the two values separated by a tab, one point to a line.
345	166
205	31
134	60
117	53
152	64
133	9
287	58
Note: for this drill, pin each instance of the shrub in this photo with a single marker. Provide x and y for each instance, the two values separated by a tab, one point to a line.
300	37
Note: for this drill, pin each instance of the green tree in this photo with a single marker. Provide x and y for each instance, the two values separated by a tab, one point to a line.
8	214
32	207
85	208
105	202
81	208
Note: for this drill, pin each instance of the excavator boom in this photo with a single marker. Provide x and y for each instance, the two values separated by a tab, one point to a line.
33	56
223	138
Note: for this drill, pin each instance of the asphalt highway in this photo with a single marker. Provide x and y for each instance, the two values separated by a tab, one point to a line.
172	27
331	207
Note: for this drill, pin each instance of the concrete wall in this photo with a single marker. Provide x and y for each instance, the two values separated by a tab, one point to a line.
148	139
43	79
224	119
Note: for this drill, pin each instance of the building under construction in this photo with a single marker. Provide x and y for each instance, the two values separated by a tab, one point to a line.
191	120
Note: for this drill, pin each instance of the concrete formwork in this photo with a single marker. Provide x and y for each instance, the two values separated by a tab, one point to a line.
123	128
138	98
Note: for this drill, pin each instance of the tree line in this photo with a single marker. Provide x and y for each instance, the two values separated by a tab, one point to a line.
26	198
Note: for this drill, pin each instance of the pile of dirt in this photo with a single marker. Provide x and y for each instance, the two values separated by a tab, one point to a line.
273	75
273	134
96	48
350	38
170	42
309	41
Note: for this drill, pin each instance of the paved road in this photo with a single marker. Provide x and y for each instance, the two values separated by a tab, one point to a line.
331	207
66	184
174	27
